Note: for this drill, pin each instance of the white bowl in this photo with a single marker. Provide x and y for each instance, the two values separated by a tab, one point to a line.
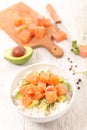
48	67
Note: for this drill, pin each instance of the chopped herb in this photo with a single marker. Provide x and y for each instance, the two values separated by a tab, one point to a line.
75	48
82	72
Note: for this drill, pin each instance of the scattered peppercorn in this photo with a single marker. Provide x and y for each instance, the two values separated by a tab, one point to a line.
68	58
78	87
75	65
70	68
79	80
73	73
71	61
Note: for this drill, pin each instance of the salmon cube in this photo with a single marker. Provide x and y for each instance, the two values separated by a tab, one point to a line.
51	96
32	78
39	32
25	36
39	95
54	79
32	28
41	86
19	21
26	101
59	36
20	28
40	21
51	88
44	77
47	23
61	89
83	51
27	21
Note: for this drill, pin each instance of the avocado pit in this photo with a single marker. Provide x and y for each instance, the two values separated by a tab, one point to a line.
18	51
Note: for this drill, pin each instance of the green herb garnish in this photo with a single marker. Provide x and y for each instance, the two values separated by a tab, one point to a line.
75	48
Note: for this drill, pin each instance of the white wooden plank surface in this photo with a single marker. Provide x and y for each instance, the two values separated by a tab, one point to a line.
76	118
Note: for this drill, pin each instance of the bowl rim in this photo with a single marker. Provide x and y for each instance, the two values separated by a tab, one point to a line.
42	117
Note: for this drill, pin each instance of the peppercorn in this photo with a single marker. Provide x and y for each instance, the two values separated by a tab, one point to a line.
79	80
78	87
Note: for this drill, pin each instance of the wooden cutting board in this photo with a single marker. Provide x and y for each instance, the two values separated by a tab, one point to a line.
7	24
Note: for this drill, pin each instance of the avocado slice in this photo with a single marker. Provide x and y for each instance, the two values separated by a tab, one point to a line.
18	60
62	98
43	105
34	104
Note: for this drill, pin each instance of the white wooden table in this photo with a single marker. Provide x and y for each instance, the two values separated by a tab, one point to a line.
76	118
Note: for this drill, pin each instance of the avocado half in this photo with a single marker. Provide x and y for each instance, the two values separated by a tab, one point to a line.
18	60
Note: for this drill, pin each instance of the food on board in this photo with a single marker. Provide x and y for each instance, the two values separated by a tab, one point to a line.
27	29
25	36
24	26
42	21
40	32
59	36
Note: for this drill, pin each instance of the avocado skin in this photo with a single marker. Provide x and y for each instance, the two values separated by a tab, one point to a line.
18	60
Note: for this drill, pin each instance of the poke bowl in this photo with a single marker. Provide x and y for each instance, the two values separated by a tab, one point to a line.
42	92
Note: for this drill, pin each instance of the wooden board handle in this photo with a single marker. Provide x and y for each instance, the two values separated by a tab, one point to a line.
53	13
54	49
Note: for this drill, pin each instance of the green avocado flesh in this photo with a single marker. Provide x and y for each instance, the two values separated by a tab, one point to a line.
18	60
